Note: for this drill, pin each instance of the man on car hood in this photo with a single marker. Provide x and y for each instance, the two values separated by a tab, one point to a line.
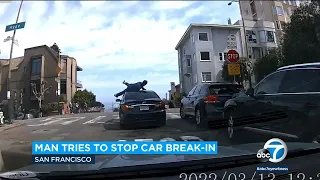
132	87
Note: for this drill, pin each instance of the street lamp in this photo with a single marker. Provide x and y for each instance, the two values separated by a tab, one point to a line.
245	37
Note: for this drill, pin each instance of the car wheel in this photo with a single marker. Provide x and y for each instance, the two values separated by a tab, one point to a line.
200	120
182	113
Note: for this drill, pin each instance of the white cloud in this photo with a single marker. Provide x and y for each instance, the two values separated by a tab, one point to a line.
109	35
165	5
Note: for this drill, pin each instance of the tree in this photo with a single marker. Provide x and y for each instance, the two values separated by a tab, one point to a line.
301	40
267	64
85	96
245	71
39	91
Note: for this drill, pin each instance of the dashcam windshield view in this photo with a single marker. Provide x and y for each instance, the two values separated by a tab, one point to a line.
189	90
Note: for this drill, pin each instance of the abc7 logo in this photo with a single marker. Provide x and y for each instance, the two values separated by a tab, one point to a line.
263	155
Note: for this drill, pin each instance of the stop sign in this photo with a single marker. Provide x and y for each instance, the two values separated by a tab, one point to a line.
233	56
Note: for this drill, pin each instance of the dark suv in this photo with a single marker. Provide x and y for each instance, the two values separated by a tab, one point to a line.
285	104
205	102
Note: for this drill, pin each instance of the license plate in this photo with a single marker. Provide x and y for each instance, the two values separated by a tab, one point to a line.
144	108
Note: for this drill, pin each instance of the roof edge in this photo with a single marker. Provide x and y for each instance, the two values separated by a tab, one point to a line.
205	25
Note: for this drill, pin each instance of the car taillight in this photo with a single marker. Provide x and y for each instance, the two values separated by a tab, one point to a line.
211	98
125	107
160	105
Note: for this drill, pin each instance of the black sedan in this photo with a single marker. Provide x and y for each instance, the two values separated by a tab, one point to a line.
141	108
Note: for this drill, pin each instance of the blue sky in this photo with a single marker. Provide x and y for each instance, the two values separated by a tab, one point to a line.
113	40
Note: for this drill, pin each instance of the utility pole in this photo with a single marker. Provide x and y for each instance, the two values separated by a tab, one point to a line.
9	97
246	51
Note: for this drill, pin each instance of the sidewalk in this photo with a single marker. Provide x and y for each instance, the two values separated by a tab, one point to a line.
6	127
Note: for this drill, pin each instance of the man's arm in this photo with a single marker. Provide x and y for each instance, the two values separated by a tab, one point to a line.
120	93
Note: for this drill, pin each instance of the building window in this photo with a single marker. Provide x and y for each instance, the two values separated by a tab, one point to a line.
289	12
270	36
192	38
278	26
189	62
36	66
184	51
203	37
63	86
251	36
279	10
195	76
262	36
221	56
24	70
194	57
206	77
282	24
204	56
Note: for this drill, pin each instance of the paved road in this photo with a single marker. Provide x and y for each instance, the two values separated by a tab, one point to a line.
16	142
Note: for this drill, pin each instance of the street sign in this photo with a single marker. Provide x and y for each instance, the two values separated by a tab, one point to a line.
233	56
233	69
58	69
16	26
231	41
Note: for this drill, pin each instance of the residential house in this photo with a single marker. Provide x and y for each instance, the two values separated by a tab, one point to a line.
37	65
202	51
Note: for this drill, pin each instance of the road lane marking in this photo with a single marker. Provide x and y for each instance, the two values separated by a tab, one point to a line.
173	116
94	120
47	123
71	121
47	119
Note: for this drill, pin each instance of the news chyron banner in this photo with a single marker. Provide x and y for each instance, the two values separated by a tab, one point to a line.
50	152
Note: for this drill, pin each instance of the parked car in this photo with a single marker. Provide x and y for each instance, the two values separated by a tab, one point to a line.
22	116
286	103
141	108
205	102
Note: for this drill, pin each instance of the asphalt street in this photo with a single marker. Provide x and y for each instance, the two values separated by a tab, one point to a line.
15	143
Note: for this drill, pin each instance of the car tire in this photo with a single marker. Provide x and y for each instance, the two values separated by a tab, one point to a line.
182	113
200	119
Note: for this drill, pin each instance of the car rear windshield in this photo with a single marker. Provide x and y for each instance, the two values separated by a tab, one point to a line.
142	95
225	89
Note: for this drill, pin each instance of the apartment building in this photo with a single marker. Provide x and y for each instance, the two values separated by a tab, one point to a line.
276	11
202	51
37	65
260	36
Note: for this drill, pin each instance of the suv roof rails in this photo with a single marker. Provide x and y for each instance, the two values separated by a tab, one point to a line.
305	65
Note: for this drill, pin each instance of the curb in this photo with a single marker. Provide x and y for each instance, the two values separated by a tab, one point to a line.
11	127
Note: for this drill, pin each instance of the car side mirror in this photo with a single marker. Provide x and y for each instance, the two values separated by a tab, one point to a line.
250	92
118	100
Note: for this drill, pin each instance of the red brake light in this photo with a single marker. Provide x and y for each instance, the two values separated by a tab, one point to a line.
161	105
211	98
